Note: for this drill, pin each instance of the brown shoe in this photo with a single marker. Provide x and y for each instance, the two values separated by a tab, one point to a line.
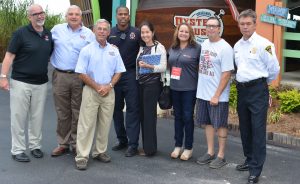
58	151
102	157
74	150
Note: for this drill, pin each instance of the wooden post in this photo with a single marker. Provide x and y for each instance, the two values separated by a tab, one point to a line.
274	33
116	4
96	10
133	7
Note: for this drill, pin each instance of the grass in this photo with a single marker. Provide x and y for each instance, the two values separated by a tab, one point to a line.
13	15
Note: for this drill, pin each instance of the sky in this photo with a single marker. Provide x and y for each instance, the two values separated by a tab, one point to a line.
54	6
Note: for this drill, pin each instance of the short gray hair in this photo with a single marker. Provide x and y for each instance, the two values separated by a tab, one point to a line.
101	21
248	13
29	8
74	7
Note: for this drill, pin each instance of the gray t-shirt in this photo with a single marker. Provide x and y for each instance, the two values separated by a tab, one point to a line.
187	60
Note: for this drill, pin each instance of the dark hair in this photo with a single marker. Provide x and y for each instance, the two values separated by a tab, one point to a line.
248	13
119	7
214	18
151	27
191	40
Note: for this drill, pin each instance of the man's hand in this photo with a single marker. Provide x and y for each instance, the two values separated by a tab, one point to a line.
4	84
103	90
214	101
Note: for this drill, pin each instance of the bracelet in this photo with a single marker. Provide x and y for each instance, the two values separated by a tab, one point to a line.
111	85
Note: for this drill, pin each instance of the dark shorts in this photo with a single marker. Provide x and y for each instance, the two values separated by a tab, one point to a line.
206	114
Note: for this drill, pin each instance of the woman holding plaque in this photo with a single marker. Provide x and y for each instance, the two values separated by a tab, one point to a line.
184	63
151	66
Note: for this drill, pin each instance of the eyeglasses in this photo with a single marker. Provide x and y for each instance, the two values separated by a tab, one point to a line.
37	14
212	26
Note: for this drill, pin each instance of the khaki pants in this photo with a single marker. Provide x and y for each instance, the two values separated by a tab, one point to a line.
27	101
67	91
95	116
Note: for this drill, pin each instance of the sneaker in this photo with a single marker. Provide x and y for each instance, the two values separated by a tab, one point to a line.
177	151
119	146
81	164
205	159
217	163
130	152
103	157
186	155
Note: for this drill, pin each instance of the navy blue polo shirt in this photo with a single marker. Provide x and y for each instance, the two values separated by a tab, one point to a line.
128	42
32	52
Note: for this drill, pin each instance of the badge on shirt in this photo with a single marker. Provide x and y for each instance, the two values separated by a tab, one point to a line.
176	72
253	50
111	53
269	49
132	36
82	36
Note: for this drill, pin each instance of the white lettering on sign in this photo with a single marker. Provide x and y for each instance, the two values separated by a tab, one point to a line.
198	20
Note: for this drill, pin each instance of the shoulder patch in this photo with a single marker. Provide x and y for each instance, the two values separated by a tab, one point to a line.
269	49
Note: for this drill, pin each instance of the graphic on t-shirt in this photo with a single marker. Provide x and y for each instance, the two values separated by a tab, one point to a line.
206	65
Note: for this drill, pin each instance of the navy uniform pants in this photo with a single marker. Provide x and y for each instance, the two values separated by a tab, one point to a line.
126	90
252	109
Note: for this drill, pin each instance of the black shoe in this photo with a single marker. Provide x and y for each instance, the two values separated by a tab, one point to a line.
22	157
130	152
242	167
119	146
37	153
253	179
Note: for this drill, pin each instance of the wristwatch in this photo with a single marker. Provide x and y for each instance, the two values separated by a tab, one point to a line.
3	76
111	85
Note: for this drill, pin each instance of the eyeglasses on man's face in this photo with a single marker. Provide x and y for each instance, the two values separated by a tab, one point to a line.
212	26
38	14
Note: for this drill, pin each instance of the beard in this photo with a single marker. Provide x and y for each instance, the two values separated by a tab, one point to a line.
40	22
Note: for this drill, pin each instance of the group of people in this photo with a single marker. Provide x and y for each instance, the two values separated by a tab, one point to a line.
97	73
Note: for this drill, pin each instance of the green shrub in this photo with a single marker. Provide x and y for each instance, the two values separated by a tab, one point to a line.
289	101
273	92
274	116
13	14
233	98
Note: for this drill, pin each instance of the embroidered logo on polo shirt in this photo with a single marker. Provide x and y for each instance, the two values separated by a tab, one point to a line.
46	38
83	37
132	36
269	49
111	53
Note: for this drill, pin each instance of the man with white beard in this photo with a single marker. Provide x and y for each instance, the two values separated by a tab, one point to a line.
28	52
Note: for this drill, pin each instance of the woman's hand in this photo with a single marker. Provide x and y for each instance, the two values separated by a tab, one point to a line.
143	64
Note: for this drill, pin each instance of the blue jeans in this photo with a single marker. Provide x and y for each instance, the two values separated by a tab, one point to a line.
183	105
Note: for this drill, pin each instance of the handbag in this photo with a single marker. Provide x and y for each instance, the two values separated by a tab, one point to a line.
165	98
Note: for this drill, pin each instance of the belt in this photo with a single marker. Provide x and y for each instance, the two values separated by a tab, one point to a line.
251	83
65	71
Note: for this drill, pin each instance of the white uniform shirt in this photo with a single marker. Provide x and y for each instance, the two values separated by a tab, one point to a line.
255	58
215	58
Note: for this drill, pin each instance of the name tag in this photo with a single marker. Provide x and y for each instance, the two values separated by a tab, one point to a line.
176	73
